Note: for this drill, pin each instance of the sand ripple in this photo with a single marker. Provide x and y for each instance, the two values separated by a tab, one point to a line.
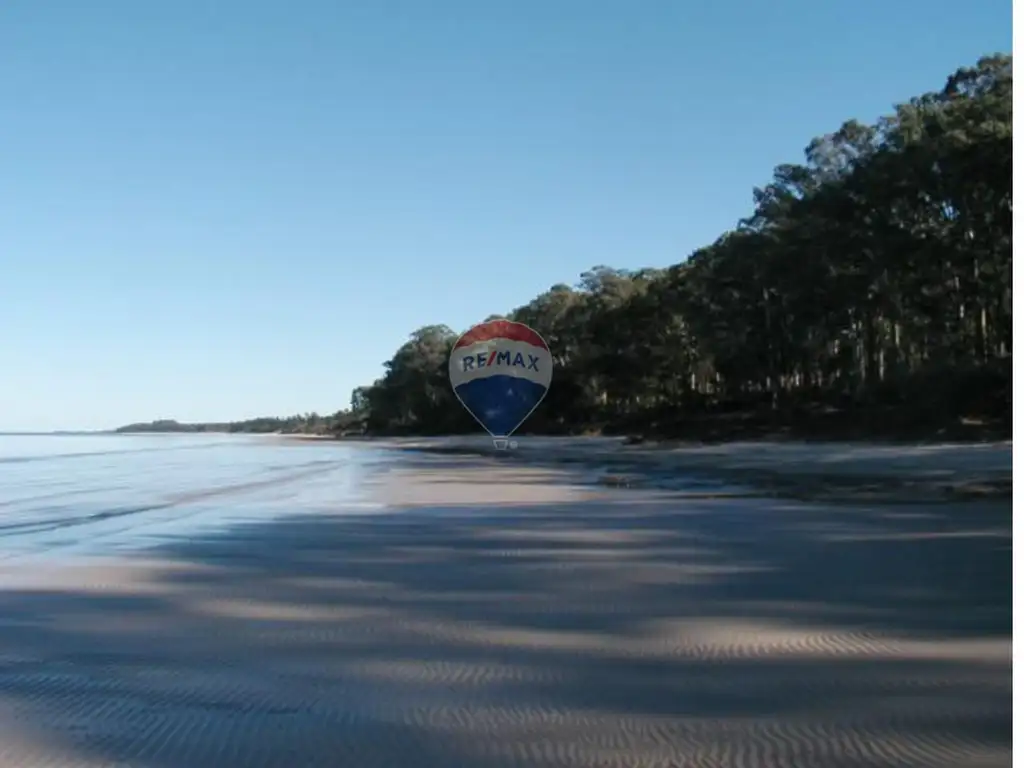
565	634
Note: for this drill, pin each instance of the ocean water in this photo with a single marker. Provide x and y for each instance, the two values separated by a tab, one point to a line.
64	495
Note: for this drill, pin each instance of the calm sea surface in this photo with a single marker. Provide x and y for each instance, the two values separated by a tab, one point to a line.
101	494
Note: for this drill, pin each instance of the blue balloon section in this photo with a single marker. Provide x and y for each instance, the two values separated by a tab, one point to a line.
501	403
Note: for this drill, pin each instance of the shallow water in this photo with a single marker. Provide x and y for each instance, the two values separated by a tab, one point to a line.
101	494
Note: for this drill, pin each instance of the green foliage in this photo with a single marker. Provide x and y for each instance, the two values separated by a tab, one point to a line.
874	275
870	286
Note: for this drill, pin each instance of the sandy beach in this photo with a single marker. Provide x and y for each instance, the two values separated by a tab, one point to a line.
477	613
819	469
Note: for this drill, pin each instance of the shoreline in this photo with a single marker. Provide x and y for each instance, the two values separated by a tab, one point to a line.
803	469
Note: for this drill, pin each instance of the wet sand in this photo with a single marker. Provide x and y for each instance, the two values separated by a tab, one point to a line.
824	470
495	615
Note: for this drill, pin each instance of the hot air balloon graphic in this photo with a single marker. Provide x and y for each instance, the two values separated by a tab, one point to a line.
500	371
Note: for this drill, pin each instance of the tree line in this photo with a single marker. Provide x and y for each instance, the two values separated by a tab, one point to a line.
869	289
306	424
868	292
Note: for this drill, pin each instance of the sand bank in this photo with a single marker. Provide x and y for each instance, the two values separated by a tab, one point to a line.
809	469
511	616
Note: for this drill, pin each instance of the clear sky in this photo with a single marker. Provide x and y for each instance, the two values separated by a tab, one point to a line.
218	210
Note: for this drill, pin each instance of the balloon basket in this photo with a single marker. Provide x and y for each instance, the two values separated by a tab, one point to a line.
501	443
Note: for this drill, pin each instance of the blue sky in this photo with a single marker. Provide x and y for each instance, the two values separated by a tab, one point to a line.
218	210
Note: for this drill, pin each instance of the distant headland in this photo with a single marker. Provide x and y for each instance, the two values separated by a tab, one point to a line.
306	424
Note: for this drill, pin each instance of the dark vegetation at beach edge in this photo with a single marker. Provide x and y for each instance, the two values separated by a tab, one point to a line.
868	295
302	424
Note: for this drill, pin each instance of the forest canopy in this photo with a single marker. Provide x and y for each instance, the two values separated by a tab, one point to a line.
868	291
871	281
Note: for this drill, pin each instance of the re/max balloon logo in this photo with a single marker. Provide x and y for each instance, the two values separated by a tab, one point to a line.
475	362
500	371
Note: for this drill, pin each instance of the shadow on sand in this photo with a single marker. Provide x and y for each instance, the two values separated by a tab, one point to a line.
642	630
